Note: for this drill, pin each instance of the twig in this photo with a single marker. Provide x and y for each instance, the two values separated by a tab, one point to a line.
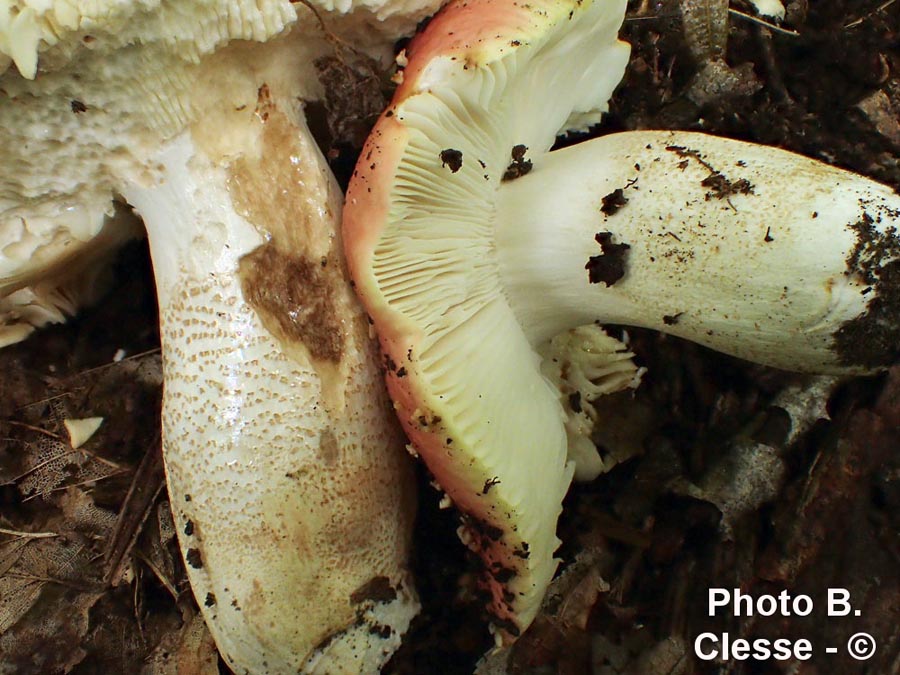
84	588
112	364
74	376
108	462
883	6
39	465
768	24
71	451
28	535
650	17
78	484
146	485
163	579
329	35
92	455
768	54
31	427
43	400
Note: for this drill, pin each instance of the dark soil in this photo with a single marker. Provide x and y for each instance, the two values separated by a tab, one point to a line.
731	475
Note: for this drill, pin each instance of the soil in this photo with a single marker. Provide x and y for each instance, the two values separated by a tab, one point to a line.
729	475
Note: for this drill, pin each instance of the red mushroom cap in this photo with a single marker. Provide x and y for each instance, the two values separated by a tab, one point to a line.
465	381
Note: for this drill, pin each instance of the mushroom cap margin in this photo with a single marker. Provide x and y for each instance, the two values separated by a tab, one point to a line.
475	39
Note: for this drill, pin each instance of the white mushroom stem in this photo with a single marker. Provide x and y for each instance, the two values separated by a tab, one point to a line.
294	565
750	250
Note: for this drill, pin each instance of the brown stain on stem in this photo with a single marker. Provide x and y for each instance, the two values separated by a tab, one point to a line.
297	296
295	281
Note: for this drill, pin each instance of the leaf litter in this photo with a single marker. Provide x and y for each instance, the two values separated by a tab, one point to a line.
86	543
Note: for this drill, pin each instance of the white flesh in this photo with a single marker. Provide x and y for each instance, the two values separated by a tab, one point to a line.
285	475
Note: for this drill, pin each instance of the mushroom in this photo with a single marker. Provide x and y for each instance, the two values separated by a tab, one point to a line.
471	245
47	272
287	478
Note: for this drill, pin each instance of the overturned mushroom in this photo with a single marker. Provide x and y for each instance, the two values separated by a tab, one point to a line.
466	268
287	480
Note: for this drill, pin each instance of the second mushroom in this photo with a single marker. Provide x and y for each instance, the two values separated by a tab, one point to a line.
473	246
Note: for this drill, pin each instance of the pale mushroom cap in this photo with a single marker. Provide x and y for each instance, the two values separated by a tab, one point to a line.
79	96
48	34
460	370
94	113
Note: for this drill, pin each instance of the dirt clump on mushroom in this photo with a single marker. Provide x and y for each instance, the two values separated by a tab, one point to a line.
721	187
875	336
608	267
